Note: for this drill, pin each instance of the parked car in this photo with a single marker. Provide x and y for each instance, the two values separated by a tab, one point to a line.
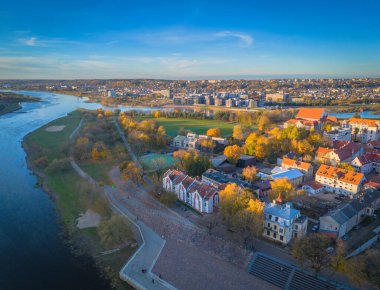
329	250
345	237
315	228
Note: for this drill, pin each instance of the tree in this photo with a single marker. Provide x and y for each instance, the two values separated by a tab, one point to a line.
346	166
233	153
281	187
158	165
129	170
99	151
208	144
312	249
180	155
228	197
213	132
249	173
356	132
157	114
114	232
108	113
263	123
237	133
356	115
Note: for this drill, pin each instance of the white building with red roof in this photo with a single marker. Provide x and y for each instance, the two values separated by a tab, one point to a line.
366	163
308	118
199	195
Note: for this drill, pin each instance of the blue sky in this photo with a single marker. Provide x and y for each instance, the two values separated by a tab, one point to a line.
189	39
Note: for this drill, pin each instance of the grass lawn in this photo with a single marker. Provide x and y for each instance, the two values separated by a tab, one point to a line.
148	159
99	169
53	141
172	125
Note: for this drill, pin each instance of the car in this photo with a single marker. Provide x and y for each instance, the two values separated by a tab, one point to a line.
345	237
315	228
329	250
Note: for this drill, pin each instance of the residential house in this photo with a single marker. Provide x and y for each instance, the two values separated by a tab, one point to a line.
344	218
308	118
339	181
193	141
338	134
366	163
293	175
313	187
282	222
199	195
368	129
342	151
304	167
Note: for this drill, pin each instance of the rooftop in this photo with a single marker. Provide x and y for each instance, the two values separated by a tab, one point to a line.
285	211
343	175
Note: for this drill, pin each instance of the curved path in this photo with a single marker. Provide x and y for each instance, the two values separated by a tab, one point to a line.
150	248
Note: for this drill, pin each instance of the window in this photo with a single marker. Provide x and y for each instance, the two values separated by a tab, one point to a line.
295	235
268	233
276	219
281	238
275	227
274	235
269	225
270	216
296	227
281	230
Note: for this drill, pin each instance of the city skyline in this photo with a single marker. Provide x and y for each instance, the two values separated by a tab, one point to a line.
169	40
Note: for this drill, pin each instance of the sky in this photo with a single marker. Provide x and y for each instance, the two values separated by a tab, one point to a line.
185	39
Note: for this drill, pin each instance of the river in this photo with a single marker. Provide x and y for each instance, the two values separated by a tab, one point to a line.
32	252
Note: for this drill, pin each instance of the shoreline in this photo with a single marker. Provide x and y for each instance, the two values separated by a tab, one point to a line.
79	251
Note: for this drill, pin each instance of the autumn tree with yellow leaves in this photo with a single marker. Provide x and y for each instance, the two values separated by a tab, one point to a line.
233	153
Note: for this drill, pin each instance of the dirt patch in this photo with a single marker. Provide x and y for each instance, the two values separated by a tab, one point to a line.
55	128
88	220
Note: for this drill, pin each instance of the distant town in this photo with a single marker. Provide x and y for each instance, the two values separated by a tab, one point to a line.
278	188
243	94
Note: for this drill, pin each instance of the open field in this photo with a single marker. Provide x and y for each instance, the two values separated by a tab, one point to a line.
148	160
172	125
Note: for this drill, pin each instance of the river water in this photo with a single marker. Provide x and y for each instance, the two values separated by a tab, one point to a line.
32	252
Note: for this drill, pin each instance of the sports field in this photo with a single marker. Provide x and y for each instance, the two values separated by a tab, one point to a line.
172	125
148	161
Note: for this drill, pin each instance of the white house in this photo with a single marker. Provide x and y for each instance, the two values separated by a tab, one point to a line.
368	129
283	222
367	163
199	195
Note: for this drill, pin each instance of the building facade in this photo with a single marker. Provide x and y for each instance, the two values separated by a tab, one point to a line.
339	181
282	223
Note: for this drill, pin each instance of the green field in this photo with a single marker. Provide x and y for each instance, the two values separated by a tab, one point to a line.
172	125
148	160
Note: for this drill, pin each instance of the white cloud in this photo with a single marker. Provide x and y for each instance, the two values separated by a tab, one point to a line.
244	38
47	42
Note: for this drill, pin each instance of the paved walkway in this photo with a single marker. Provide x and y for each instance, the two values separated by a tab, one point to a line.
152	244
127	146
146	256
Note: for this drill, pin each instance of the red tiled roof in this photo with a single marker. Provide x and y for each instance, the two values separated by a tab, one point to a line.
369	158
368	122
296	163
310	113
343	175
314	184
332	119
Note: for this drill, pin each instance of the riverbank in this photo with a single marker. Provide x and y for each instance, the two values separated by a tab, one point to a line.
10	102
47	153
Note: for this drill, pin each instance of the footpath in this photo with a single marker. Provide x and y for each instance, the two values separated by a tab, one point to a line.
151	243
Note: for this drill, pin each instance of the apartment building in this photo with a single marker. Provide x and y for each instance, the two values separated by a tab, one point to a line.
282	223
339	181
